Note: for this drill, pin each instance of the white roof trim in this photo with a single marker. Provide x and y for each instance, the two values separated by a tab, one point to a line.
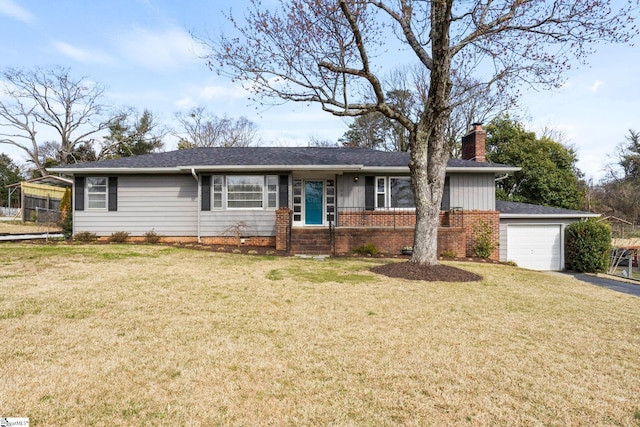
223	168
497	169
548	216
104	171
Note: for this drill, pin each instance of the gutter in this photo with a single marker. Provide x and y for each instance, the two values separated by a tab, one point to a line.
85	171
199	190
547	216
262	168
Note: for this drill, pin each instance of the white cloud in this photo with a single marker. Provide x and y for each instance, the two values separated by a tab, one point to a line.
82	55
216	92
596	85
185	103
159	50
11	9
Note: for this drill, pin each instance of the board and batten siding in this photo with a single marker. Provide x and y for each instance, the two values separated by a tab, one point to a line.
472	191
469	191
166	204
505	222
350	191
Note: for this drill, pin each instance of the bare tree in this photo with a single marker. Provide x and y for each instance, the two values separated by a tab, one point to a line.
314	141
49	98
332	52
207	130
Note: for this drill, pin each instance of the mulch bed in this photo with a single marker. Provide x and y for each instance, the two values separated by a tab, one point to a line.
435	273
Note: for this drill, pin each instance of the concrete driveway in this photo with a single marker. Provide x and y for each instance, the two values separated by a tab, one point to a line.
606	282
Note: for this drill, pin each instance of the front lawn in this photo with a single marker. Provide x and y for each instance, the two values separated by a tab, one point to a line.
153	335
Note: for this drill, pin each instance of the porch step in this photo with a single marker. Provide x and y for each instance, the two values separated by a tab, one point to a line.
310	241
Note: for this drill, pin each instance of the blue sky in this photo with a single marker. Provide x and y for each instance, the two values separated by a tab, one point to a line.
141	50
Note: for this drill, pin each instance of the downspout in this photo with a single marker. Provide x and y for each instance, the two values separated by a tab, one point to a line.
500	178
195	176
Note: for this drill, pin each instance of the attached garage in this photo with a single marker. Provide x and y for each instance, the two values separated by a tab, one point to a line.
535	246
532	236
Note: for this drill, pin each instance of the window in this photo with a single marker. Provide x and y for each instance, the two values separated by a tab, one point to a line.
96	193
401	193
297	200
394	192
381	192
272	191
244	192
216	188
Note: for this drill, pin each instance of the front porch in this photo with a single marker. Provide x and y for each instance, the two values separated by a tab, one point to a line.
388	229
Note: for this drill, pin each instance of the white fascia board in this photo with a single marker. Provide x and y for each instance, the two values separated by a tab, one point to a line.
385	169
503	169
262	168
405	169
103	171
548	216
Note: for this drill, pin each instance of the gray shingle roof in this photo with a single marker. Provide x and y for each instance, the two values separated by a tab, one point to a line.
515	209
267	156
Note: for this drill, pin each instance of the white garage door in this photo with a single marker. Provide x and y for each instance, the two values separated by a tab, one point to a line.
537	247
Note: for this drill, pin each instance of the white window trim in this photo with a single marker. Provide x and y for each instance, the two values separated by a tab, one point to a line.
377	193
105	193
388	202
225	194
387	193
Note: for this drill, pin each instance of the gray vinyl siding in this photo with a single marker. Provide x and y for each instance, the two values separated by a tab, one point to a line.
504	224
226	222
167	204
473	191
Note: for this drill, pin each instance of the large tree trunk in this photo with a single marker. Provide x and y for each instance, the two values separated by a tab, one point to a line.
429	155
428	167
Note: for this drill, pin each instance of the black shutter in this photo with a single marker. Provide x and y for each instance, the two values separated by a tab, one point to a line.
283	191
206	193
113	193
369	193
446	195
79	193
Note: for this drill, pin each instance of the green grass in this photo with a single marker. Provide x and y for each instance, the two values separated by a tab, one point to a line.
151	335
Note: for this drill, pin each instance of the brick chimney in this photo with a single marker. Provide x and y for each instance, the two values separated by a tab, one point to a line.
473	144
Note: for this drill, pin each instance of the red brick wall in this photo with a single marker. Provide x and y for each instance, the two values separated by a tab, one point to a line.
452	239
215	240
471	219
457	233
362	218
391	241
248	241
283	225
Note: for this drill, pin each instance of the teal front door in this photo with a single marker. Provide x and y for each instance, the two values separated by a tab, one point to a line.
313	202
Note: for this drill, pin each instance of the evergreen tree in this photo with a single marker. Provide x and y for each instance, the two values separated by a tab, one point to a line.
549	175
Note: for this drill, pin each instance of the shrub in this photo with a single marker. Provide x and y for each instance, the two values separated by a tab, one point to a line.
448	254
66	215
151	237
367	249
587	245
119	237
484	244
85	237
